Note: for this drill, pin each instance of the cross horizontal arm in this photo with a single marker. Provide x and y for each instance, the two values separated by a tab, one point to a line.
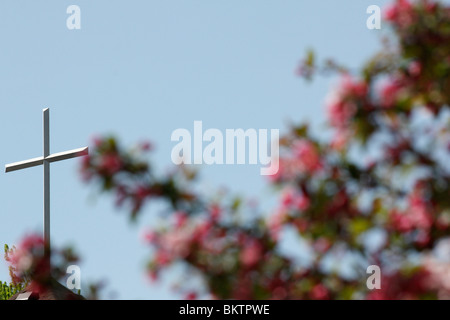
24	164
67	155
51	158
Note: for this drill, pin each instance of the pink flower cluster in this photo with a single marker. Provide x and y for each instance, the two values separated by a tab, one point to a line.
307	156
417	217
251	252
28	259
390	92
342	104
304	158
110	163
294	199
439	275
400	13
178	241
401	285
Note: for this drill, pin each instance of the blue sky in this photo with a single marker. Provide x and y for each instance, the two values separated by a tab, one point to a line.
141	69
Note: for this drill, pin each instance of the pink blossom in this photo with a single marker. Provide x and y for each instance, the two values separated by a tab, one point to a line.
293	199
352	87
180	219
389	92
307	156
162	258
97	141
285	170
339	112
176	242
252	253
191	296
201	231
320	292
430	6
423	238
301	224
152	274
85	162
322	245
146	146
86	174
275	223
400	221
28	258
400	13
419	213
142	192
415	68
439	276
417	216
149	236
390	13
110	163
376	295
139	196
340	140
215	212
30	242
340	104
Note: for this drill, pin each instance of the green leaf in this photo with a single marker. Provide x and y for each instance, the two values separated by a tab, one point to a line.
358	226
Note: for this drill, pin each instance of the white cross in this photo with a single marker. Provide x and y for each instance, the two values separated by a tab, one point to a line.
46	159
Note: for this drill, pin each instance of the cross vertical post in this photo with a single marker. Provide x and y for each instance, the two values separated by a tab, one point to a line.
46	165
45	160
